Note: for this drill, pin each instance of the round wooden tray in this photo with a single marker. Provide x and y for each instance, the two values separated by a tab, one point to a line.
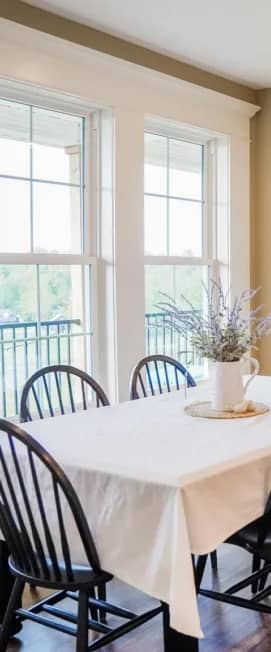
204	409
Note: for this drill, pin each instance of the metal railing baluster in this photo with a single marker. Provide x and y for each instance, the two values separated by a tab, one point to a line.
3	371
26	365
69	343
15	371
58	344
48	344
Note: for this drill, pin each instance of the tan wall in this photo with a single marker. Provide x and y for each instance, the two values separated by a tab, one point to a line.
261	214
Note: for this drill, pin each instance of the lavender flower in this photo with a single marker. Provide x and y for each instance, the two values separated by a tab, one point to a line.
221	333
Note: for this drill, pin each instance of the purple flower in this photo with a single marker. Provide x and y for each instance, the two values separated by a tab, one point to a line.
219	332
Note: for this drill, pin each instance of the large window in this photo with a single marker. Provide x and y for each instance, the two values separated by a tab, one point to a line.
45	264
177	238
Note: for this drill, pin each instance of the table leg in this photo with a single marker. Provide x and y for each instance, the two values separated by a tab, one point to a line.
174	641
6	585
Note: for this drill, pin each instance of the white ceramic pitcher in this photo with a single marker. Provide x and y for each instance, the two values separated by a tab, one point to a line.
227	383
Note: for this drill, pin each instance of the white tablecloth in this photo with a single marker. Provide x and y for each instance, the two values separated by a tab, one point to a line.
157	485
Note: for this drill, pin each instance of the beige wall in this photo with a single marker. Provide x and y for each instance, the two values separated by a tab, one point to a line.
261	213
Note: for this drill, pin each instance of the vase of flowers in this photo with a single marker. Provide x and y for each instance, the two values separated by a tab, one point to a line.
228	389
223	334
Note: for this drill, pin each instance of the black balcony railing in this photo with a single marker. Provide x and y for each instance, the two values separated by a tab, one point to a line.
162	338
27	346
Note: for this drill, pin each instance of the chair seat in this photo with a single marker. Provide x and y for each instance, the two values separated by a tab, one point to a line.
81	575
248	537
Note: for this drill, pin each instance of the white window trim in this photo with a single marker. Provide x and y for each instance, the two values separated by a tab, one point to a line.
209	141
211	234
64	103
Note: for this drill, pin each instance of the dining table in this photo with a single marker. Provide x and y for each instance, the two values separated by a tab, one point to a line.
158	486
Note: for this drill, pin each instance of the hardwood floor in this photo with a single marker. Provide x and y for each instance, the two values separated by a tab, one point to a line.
226	628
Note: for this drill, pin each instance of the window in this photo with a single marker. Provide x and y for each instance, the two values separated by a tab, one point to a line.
45	263
177	239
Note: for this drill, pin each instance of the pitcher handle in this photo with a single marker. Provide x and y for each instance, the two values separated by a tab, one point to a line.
256	366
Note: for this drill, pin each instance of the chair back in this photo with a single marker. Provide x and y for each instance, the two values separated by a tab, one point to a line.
59	389
36	529
156	374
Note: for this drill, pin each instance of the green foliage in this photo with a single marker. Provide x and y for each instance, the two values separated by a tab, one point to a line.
174	281
18	291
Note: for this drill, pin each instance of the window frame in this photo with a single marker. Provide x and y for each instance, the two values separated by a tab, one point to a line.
167	196
209	258
88	258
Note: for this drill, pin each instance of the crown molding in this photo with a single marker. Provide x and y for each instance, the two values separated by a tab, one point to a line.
75	32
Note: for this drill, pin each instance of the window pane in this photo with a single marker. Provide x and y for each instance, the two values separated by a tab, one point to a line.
61	293
18	293
174	281
185	169
57	141
155	226
62	335
155	164
56	216
14	215
185	228
18	331
62	323
14	139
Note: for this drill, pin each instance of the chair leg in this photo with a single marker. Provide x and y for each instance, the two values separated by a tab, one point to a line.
213	556
165	613
6	585
262	580
256	565
9	615
82	628
199	570
101	590
92	609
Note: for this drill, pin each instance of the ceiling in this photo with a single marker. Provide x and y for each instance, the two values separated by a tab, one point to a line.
227	37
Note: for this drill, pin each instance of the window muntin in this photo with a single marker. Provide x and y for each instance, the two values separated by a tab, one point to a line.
174	198
41	158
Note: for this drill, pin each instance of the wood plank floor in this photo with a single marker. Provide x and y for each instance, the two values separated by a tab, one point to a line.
226	628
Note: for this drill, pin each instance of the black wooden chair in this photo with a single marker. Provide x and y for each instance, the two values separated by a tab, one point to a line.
255	538
58	389
156	374
29	528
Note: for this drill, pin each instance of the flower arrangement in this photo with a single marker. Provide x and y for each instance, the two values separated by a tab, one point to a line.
219	332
